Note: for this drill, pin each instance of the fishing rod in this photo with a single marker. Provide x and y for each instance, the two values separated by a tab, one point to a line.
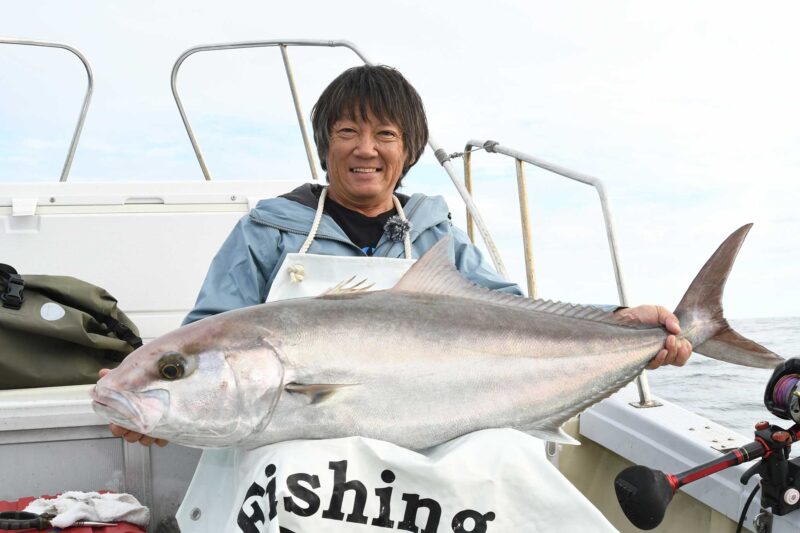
644	493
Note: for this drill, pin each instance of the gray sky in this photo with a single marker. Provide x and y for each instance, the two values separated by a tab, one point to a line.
688	111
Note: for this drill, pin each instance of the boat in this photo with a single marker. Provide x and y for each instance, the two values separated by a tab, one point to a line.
139	241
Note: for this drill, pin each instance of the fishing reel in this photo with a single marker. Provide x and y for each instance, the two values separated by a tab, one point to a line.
644	494
781	395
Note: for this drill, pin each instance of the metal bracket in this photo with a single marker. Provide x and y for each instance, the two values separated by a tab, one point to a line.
646	404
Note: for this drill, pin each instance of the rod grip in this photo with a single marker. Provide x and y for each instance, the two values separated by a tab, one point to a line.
643	495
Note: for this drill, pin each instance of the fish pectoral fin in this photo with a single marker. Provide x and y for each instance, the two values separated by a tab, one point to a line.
551	434
316	392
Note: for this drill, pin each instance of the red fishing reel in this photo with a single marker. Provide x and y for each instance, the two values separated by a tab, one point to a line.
644	494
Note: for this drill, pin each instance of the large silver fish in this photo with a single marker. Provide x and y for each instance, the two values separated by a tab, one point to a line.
431	359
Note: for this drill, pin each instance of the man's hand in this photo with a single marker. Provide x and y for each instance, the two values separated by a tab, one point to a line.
130	435
675	351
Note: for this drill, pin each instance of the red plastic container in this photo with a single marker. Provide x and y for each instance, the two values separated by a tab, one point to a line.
22	503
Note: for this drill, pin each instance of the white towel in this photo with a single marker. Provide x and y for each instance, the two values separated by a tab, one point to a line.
74	506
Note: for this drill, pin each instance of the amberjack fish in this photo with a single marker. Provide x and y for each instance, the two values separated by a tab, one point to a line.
433	358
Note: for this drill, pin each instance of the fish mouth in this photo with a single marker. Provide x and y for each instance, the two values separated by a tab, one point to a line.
138	411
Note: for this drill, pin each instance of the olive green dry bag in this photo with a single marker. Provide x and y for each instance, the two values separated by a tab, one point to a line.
58	330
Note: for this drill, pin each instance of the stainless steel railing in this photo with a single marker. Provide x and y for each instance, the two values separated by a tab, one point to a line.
86	99
283	45
443	159
520	158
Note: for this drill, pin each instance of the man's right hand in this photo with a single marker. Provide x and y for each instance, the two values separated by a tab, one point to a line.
130	435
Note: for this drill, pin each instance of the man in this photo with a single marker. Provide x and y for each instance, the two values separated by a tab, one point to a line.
370	129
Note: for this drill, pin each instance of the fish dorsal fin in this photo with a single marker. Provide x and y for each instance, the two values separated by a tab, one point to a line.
434	273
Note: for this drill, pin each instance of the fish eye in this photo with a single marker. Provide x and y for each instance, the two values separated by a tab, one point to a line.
172	366
171	371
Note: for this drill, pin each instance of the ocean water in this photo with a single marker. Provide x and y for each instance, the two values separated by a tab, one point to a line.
728	394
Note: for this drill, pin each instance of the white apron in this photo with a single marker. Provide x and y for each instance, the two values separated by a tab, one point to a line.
305	275
488	481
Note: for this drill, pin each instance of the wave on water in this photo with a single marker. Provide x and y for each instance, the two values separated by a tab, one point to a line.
728	394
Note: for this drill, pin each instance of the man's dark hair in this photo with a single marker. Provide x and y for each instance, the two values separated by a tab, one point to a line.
386	94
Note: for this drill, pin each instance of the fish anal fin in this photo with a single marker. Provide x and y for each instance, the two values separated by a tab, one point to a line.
551	434
316	392
728	345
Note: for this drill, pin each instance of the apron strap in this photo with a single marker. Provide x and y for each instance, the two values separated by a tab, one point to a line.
318	217
297	272
315	226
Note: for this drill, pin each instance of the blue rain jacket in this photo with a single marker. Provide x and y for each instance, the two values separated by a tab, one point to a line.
242	272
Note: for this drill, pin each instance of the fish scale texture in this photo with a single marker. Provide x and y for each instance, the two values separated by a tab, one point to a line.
22	503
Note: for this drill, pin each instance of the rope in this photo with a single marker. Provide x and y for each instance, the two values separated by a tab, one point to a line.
784	388
297	272
317	217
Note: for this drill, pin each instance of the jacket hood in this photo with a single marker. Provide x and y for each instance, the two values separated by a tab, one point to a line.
294	212
308	195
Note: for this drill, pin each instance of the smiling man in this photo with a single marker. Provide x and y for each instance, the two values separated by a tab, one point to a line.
364	163
370	129
366	144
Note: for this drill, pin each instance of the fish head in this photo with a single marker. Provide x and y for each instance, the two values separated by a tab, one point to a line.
212	383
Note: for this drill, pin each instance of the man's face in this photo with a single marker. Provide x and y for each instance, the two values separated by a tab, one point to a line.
365	160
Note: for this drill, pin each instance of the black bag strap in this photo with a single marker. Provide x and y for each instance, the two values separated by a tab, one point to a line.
122	331
14	293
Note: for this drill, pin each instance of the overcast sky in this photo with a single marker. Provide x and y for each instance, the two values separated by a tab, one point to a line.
687	111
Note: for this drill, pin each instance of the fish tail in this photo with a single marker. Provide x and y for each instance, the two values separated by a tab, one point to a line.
702	304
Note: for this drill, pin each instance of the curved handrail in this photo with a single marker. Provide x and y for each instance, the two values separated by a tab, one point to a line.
586	179
299	112
492	146
86	99
472	209
253	44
